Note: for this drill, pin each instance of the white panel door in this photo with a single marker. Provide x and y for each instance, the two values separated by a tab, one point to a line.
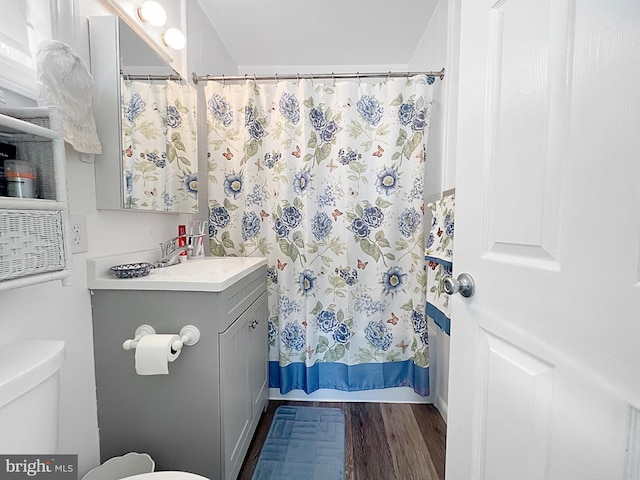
545	357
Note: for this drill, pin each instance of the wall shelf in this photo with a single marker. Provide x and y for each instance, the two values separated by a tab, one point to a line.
34	240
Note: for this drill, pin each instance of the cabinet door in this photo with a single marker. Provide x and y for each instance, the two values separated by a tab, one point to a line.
243	388
235	392
258	362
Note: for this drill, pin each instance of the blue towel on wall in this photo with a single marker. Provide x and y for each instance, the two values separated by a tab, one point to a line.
438	308
439	254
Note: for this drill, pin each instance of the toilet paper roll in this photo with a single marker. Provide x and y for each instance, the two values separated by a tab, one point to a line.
153	354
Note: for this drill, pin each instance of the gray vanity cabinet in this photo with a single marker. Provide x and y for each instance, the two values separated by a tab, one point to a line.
199	418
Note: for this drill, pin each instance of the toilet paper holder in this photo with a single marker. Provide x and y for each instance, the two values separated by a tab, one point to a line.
189	335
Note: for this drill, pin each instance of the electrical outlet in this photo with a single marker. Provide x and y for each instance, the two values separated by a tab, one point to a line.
79	240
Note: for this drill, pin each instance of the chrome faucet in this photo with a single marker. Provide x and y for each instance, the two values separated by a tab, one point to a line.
171	252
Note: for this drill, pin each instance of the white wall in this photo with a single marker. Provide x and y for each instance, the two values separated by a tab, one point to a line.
51	311
438	48
431	55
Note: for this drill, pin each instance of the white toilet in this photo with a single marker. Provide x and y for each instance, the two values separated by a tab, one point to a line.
135	466
29	413
167	476
29	387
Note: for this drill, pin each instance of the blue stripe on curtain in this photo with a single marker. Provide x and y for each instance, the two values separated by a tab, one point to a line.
338	376
439	318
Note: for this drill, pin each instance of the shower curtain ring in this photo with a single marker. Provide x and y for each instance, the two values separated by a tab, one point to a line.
333	77
149	79
388	75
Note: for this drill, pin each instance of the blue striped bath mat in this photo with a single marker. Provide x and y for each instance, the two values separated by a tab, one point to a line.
303	442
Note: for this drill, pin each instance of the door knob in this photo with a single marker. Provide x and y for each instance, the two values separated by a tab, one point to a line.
463	284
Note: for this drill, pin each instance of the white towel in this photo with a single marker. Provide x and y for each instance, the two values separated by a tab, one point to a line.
66	83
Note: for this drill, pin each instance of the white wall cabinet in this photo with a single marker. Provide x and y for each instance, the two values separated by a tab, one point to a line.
34	240
201	417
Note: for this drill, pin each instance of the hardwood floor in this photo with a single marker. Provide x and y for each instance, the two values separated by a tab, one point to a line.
383	441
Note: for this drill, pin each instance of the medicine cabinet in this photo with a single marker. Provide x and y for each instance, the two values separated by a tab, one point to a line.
34	240
146	120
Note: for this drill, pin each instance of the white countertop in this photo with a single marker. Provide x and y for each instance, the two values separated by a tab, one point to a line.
205	274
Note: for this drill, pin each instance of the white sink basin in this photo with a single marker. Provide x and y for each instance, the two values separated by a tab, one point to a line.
206	274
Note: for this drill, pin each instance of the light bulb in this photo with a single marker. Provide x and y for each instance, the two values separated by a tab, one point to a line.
153	13
174	38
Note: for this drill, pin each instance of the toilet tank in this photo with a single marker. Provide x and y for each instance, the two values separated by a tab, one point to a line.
29	396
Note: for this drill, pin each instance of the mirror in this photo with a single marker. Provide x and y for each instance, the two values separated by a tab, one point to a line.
146	119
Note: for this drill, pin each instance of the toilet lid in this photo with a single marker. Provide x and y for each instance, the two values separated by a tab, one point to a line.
166	476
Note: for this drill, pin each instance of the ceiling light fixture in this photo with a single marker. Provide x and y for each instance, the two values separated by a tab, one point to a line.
153	13
174	38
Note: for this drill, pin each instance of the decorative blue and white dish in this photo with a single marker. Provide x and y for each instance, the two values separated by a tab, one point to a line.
132	270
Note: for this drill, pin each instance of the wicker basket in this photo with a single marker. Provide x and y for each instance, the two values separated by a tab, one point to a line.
31	242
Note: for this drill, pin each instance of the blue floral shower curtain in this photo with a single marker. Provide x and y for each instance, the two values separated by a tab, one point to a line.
326	181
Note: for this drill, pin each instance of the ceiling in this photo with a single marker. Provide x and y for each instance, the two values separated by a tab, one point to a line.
281	33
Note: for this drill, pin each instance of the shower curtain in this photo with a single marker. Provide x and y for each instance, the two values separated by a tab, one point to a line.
325	179
159	146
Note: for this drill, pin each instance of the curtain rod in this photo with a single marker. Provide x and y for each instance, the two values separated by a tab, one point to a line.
311	76
127	76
